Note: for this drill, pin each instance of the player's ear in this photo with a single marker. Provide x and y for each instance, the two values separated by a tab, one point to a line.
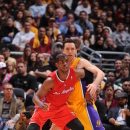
56	64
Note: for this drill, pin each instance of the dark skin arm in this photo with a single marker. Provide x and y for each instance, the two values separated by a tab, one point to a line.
47	85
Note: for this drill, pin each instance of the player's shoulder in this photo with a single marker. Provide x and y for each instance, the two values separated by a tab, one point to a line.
82	62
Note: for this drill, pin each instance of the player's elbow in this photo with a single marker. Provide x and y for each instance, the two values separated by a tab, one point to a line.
103	74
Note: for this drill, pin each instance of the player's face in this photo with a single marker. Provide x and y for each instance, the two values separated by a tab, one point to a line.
70	50
63	64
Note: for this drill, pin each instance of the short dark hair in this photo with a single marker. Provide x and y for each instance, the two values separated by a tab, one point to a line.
6	85
68	40
117	60
21	62
83	12
30	108
124	65
20	2
5	49
28	17
126	80
108	84
59	56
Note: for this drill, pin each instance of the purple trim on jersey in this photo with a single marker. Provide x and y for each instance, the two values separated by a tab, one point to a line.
94	117
83	86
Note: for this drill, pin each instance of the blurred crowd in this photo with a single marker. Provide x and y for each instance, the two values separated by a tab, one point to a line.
37	29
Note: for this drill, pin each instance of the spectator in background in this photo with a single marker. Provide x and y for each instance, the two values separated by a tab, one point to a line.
50	12
103	17
13	7
99	44
41	44
98	31
40	71
11	68
105	33
70	20
126	60
21	6
50	35
121	11
38	8
111	46
72	32
110	19
94	15
31	61
9	107
126	86
26	53
60	17
114	4
19	20
32	29
100	105
118	90
117	66
124	74
60	38
8	32
84	23
120	36
127	22
23	37
109	101
4	76
58	4
55	30
4	14
2	58
84	7
104	4
24	81
1	3
119	118
6	53
86	41
98	92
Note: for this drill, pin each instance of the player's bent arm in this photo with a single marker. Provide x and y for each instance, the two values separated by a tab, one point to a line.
79	73
83	63
47	86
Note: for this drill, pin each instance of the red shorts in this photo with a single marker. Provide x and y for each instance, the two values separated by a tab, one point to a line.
59	116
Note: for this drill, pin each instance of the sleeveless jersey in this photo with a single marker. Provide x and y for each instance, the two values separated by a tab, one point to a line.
62	89
86	113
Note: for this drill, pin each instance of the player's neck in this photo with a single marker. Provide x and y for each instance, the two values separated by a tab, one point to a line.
62	75
71	61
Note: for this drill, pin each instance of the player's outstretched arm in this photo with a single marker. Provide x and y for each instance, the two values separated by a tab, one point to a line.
79	73
47	85
83	63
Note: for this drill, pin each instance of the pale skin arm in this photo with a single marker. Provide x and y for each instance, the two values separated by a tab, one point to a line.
83	63
79	73
47	85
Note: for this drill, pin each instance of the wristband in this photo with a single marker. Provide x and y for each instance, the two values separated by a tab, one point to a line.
41	103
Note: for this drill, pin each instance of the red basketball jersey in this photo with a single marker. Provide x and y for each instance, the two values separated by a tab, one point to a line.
62	89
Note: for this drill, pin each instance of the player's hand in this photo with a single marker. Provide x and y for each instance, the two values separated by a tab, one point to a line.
92	89
88	98
112	121
45	106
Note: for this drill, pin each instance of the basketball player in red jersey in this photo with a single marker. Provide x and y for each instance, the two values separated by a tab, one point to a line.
51	98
